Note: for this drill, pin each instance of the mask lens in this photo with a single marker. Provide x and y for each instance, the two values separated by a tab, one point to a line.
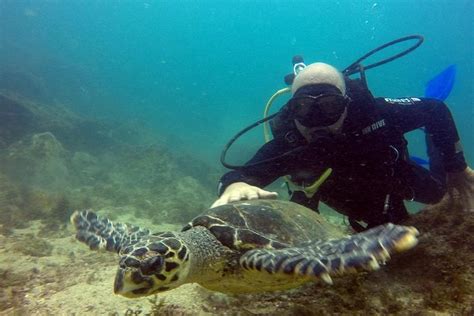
322	110
302	106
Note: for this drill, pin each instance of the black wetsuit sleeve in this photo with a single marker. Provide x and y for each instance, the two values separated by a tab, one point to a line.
408	114
263	174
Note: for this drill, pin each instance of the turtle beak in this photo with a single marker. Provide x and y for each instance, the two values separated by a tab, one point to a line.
132	284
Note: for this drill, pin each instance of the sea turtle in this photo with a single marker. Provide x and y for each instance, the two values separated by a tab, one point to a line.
242	247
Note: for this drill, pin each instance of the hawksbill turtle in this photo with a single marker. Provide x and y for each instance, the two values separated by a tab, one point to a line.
242	247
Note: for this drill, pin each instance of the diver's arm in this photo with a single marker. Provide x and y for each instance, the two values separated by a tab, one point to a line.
435	116
263	174
246	183
408	114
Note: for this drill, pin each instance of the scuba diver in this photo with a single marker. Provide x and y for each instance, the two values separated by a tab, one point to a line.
338	144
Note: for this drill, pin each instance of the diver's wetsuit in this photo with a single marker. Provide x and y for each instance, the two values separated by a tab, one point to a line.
372	173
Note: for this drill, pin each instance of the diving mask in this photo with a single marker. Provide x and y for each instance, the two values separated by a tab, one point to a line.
320	110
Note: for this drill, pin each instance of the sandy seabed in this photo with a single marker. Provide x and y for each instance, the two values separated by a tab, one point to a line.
56	275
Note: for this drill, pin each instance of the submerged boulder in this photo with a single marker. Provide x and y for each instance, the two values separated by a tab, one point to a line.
39	160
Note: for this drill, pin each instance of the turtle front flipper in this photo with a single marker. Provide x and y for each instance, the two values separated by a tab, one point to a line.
322	259
99	233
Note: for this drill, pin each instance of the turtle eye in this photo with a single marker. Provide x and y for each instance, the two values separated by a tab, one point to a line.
151	265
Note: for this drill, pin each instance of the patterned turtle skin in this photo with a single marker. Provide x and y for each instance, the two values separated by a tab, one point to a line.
242	247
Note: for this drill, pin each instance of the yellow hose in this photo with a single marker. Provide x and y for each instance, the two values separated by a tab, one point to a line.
313	188
266	125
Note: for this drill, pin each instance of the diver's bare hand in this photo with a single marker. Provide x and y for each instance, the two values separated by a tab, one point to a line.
242	191
460	189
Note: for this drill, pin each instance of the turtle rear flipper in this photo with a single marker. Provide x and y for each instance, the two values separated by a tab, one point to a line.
360	252
99	233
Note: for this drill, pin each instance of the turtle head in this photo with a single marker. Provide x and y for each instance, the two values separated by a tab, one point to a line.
157	264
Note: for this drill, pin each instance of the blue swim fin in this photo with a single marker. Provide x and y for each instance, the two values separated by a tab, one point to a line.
438	88
420	161
441	85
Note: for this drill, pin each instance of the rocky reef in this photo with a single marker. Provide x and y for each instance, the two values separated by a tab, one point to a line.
59	158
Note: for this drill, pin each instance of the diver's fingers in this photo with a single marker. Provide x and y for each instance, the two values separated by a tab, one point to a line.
219	202
267	194
252	195
246	192
256	193
226	198
234	197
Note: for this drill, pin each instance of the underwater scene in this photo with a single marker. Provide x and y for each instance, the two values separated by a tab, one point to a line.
114	117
